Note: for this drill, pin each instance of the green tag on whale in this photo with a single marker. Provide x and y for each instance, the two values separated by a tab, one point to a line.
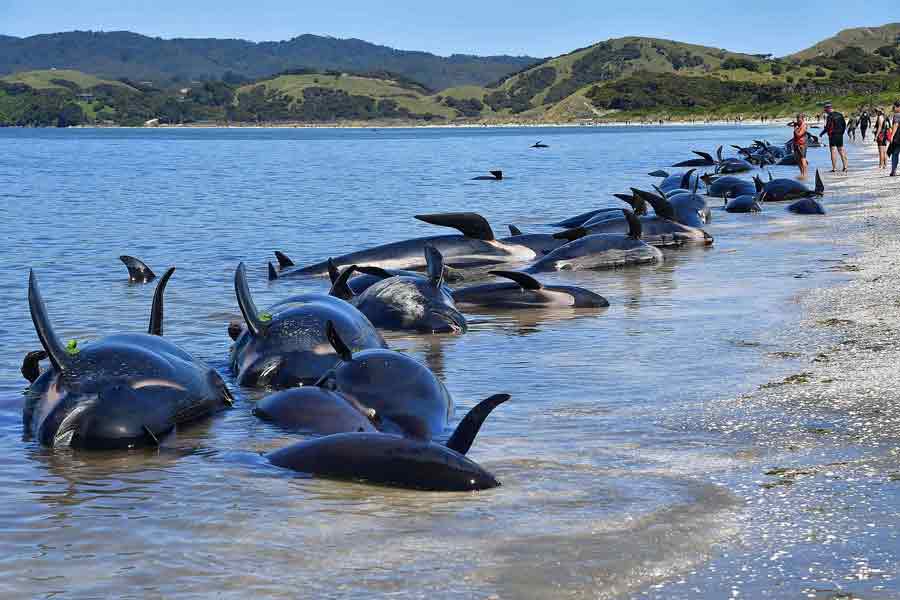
265	317
72	347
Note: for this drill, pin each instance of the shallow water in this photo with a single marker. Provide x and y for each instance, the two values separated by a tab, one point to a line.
602	456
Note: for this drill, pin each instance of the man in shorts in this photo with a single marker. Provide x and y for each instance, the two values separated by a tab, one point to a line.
835	127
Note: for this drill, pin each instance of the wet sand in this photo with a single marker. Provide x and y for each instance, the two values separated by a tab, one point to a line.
822	491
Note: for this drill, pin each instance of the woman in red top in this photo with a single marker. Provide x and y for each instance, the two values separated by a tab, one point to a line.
800	129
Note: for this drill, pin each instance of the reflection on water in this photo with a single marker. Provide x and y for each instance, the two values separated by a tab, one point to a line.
596	498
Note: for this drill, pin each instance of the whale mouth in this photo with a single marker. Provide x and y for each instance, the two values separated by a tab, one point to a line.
447	321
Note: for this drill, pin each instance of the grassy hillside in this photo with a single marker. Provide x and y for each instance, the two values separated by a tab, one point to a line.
867	38
122	54
59	79
409	97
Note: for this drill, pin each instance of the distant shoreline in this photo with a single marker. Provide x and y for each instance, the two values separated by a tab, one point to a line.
410	125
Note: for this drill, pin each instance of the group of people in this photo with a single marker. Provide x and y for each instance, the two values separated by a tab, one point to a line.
884	131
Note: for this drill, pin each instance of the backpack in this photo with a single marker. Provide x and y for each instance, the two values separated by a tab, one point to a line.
840	125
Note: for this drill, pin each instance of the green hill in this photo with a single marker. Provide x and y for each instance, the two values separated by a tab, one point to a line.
869	39
60	79
123	54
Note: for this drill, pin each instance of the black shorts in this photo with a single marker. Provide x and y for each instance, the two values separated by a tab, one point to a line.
836	141
799	151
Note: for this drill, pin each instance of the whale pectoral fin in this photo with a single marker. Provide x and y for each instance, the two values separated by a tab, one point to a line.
820	186
58	356
470	224
31	365
571	234
374	271
468	428
283	260
273	272
156	310
337	343
513	230
525	281
435	265
255	324
138	272
340	289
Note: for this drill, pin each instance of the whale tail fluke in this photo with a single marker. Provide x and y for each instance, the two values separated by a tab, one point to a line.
138	271
31	365
468	428
156	311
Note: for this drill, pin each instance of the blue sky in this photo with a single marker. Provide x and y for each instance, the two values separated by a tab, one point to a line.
534	27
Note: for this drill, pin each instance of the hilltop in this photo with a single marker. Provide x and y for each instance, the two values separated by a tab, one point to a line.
869	39
122	54
632	78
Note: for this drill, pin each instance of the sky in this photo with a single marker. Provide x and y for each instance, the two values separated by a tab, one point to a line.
520	27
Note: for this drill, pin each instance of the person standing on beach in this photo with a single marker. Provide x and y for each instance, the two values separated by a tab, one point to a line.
835	127
881	132
800	132
864	124
894	149
851	128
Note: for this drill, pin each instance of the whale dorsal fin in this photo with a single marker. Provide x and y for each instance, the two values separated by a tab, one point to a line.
513	230
465	433
273	272
719	153
634	225
138	271
637	204
686	180
661	174
435	265
820	186
283	260
497	174
58	356
255	325
525	281
156	310
375	271
760	186
704	156
571	234
339	288
333	271
334	338
469	224
660	204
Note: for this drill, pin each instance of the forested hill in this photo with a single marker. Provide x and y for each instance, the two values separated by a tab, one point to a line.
122	54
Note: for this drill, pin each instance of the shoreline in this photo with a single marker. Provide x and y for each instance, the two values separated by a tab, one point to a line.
820	475
776	122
